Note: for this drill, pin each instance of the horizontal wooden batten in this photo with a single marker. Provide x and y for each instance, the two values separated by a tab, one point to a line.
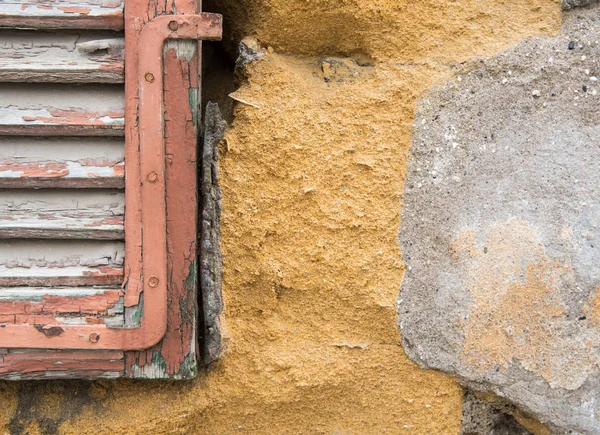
62	14
61	57
50	263
52	303
62	214
61	306
55	364
61	163
61	110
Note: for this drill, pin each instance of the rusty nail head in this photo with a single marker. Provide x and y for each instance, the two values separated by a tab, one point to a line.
173	25
152	177
149	77
94	338
153	281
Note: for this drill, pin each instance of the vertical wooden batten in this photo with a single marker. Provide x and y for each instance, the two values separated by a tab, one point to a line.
176	355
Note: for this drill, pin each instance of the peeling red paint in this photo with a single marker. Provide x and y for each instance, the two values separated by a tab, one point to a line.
80	363
35	169
181	206
110	65
47	319
47	217
105	271
50	173
119	171
56	305
184	140
182	211
115	220
88	279
74	10
99	162
74	117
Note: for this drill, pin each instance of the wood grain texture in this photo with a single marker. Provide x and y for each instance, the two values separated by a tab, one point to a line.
27	56
62	214
19	364
60	263
61	306
27	163
176	356
62	14
61	110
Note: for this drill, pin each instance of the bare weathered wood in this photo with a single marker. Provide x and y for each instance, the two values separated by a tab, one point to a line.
27	56
61	163
62	14
211	258
62	214
60	263
61	110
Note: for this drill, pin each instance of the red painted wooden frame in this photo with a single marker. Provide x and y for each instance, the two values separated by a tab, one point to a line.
149	196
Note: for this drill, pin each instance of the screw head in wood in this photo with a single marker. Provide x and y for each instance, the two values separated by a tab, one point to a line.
94	338
153	281
149	77
173	25
152	177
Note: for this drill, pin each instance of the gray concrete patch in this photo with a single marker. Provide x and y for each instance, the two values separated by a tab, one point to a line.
570	4
501	227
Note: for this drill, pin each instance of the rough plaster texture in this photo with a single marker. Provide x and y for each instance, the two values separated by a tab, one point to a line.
388	30
500	227
311	172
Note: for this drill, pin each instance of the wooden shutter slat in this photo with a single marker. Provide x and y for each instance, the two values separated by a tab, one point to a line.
61	110
61	303
60	174
61	57
60	263
62	14
96	215
27	163
36	363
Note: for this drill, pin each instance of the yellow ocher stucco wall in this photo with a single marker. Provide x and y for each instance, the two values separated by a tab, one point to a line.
312	175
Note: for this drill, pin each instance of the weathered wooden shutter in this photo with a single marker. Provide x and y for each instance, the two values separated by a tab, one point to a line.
98	203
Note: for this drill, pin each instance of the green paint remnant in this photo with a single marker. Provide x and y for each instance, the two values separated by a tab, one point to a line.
193	100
